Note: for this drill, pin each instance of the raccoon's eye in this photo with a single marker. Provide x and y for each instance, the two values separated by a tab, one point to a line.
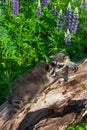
60	66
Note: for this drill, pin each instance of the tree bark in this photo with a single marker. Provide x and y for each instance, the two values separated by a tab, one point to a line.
61	104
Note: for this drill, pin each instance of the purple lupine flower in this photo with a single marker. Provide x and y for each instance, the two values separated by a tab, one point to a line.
85	3
59	19
44	2
15	7
68	17
67	38
74	21
0	13
38	10
54	11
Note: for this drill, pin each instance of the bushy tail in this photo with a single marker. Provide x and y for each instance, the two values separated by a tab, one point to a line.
16	104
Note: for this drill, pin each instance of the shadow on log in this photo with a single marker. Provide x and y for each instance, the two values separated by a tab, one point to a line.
64	103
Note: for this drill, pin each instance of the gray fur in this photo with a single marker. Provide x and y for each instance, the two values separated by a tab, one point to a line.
29	85
62	62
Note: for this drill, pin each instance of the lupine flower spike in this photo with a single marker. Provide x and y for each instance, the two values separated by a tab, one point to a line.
54	11
15	7
59	19
67	38
74	21
85	3
38	10
68	16
44	2
0	13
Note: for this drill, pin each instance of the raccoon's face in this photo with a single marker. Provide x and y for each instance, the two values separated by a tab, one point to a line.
50	70
59	59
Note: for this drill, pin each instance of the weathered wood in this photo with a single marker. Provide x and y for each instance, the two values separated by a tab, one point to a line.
62	104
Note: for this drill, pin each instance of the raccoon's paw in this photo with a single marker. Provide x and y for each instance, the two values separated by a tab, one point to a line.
75	68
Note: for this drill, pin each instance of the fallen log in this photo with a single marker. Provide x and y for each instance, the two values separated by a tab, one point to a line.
61	104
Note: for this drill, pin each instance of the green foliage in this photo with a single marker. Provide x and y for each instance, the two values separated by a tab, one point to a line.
82	125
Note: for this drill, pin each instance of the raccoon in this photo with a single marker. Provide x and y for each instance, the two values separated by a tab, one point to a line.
29	85
62	62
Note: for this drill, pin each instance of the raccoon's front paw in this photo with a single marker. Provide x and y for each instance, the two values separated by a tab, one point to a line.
75	68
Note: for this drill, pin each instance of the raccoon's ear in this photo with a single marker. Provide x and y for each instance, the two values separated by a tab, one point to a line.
65	57
48	67
51	56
